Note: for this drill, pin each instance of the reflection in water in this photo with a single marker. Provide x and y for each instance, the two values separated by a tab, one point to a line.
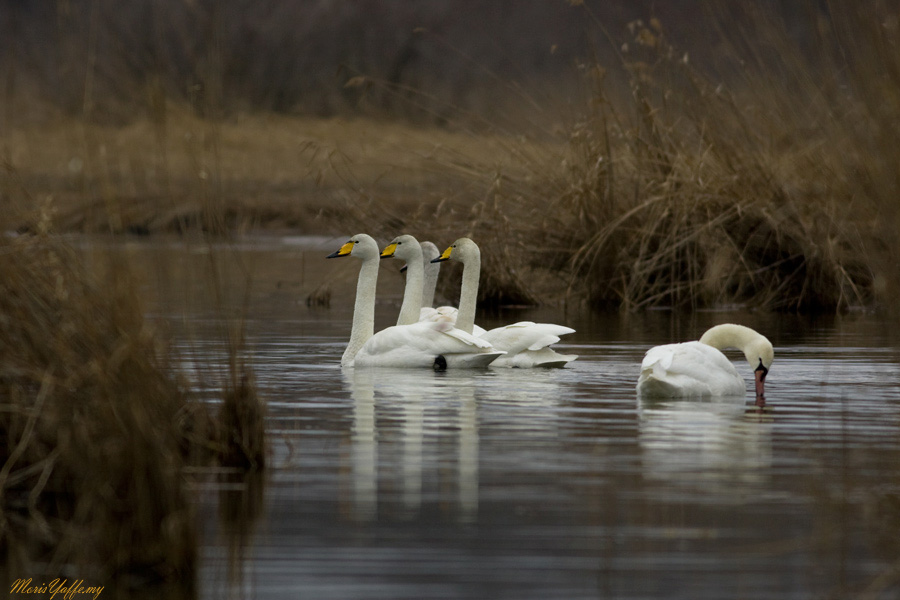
364	450
703	443
413	432
241	495
413	395
468	456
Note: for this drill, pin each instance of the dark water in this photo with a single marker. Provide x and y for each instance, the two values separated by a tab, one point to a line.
546	484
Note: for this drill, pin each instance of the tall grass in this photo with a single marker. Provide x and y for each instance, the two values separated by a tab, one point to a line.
756	167
768	183
701	196
97	429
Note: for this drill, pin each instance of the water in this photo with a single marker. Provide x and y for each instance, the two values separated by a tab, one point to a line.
543	484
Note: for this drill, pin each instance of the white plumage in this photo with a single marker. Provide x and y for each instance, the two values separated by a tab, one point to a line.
526	344
700	370
418	345
414	345
432	269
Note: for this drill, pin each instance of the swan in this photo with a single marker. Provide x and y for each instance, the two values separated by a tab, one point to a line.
700	370
432	270
527	344
406	247
425	344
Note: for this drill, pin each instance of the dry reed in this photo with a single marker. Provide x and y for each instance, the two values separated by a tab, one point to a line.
97	430
765	188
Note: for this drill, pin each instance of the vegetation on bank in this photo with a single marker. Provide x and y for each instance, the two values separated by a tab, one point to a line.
762	173
776	190
98	430
768	179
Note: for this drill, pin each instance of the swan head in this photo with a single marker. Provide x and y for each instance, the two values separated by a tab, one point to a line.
760	355
429	251
359	246
756	347
404	247
462	250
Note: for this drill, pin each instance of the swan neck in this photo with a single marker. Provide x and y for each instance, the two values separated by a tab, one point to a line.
432	270
412	294
364	310
732	336
468	294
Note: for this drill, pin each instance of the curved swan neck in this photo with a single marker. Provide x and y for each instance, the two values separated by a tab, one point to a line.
363	310
756	347
468	293
412	294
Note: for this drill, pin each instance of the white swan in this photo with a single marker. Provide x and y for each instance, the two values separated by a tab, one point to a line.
407	248
700	370
426	344
432	270
527	344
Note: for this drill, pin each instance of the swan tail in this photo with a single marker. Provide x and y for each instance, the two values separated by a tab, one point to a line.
544	357
547	340
472	361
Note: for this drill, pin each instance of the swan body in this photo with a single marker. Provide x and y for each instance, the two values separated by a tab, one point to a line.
700	369
418	345
526	344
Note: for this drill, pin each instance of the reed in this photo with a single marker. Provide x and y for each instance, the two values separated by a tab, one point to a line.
98	430
758	168
769	187
93	425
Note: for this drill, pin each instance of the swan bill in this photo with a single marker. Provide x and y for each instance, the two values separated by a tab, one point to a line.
444	256
344	251
760	376
389	250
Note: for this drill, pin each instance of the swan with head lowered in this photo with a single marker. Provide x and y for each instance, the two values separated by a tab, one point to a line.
701	370
527	344
426	344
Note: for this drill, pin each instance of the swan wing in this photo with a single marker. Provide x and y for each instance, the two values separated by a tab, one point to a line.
690	369
527	344
525	335
419	344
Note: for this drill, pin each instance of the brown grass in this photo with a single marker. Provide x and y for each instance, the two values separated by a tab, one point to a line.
763	174
96	430
770	187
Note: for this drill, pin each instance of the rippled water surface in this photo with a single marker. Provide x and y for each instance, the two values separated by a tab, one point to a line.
548	484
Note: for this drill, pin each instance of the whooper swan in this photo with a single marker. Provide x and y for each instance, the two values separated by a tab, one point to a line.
527	344
425	344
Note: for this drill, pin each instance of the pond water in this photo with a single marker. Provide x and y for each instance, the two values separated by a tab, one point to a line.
542	483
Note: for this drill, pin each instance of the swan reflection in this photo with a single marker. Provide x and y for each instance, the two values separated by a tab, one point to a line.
705	444
417	402
364	446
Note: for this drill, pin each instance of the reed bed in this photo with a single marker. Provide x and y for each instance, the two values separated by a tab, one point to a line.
97	429
756	169
770	188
